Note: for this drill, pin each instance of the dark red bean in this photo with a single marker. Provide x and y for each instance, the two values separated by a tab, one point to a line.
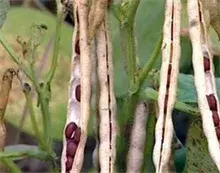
206	62
76	137
77	47
212	102
78	93
71	148
169	69
168	81
69	163
217	130
215	118
70	128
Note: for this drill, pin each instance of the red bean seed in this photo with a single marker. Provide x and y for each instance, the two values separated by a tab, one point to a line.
206	62
71	148
70	128
217	129
169	69
78	92
212	102
77	47
69	163
76	137
215	118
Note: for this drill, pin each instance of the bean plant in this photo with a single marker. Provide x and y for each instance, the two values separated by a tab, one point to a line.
137	132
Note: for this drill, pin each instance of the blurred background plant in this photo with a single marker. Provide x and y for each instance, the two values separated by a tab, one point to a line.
23	20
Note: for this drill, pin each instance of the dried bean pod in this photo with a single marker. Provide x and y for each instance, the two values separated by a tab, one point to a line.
107	105
167	96
138	134
4	95
73	109
85	81
204	82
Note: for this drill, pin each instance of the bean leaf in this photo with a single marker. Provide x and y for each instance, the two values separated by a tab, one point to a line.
4	7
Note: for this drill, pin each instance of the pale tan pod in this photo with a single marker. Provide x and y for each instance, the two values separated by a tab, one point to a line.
73	108
107	104
200	79
85	70
170	55
137	139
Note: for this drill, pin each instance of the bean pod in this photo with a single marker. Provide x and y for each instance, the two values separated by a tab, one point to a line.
204	77
168	84
107	103
72	131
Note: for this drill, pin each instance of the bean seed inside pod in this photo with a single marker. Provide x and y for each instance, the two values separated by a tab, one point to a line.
215	118
212	102
71	148
69	163
70	128
169	69
206	62
217	130
76	137
77	47
78	92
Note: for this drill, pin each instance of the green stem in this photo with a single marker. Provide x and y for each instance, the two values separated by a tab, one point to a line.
150	93
13	168
56	42
128	43
150	63
13	55
38	154
33	120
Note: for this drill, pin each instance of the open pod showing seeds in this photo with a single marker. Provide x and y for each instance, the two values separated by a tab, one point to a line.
204	77
107	103
75	131
168	84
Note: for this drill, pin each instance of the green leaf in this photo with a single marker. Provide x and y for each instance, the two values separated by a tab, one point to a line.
4	7
186	91
197	155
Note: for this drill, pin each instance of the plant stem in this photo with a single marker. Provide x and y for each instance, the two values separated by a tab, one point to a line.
150	93
56	43
150	63
128	38
14	57
13	168
38	154
32	117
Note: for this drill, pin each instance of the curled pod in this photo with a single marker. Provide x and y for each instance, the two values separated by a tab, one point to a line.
168	84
